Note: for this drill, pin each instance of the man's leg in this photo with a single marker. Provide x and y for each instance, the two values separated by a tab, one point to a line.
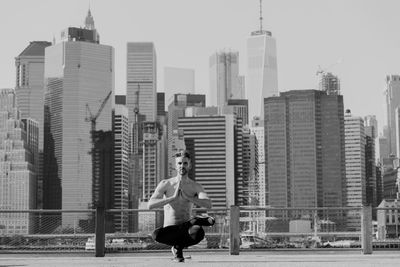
179	237
202	220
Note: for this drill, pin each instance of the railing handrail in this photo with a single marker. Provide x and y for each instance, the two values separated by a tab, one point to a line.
45	211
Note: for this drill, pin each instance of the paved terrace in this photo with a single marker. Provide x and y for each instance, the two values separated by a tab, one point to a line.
207	258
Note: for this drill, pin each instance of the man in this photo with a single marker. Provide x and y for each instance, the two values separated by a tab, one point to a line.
177	195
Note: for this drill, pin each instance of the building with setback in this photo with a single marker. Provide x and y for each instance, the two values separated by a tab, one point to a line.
79	78
18	141
30	98
304	151
262	69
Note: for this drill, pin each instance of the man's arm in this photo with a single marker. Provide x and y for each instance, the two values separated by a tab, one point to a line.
157	200
200	199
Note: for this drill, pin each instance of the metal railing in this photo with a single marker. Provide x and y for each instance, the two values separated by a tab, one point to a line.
236	229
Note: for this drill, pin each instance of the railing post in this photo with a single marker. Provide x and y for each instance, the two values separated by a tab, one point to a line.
366	229
234	236
100	231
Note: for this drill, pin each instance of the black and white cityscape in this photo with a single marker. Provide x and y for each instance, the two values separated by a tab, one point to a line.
71	141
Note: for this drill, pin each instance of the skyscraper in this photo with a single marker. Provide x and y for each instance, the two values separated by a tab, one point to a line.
141	87
257	127
392	93
178	81
304	150
212	141
370	127
79	78
17	176
121	166
224	78
30	97
262	69
355	167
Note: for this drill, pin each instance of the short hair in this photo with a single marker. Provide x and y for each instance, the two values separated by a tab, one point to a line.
182	153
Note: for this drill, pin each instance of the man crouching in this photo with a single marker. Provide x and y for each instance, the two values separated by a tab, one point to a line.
177	195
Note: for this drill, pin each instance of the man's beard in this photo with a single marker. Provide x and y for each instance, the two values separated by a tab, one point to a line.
182	171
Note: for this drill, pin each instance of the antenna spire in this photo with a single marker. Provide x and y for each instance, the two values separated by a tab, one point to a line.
261	17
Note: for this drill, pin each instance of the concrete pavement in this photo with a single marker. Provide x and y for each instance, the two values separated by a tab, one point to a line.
218	259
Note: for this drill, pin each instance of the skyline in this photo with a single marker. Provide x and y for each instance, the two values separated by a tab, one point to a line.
358	34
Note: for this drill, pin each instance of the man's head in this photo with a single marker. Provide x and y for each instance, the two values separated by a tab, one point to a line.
182	162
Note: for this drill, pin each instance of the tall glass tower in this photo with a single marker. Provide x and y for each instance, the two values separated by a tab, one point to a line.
141	88
262	69
30	98
224	78
79	76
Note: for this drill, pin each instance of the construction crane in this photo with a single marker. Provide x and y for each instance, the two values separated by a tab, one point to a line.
93	118
98	199
324	70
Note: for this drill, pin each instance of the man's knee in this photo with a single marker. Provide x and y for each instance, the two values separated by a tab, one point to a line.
156	234
196	232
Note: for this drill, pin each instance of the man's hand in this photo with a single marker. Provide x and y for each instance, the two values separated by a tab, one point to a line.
178	192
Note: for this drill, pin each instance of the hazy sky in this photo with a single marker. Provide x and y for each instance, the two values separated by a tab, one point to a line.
363	35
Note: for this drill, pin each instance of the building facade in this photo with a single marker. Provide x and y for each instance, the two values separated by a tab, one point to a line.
262	71
225	83
392	94
18	140
30	97
212	143
370	125
355	167
141	87
79	85
304	151
121	166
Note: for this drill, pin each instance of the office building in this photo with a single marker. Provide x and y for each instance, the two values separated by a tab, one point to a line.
141	87
224	78
305	152
262	70
240	107
383	148
215	142
370	125
355	167
257	128
178	81
392	94
30	97
17	176
121	166
79	94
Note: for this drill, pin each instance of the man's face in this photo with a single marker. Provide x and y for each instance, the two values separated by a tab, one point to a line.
182	165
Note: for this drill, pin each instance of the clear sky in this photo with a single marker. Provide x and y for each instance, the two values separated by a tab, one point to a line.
363	35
